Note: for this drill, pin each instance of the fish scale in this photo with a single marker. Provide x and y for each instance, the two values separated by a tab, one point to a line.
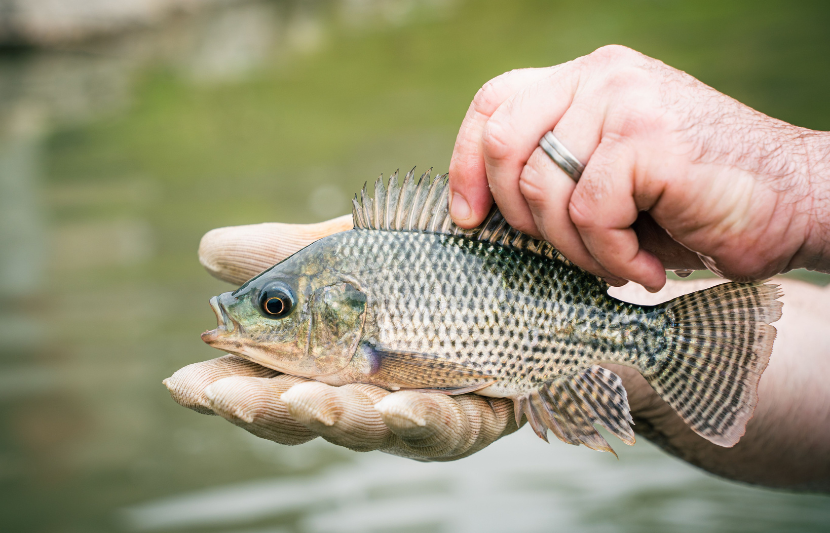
475	295
409	300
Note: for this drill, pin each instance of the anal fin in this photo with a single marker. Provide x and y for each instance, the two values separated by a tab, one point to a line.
570	406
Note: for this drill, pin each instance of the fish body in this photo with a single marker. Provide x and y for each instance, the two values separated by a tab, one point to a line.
407	300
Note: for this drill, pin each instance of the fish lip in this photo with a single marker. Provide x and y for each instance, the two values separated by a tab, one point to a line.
224	324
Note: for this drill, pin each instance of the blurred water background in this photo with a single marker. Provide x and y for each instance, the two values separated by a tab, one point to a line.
125	134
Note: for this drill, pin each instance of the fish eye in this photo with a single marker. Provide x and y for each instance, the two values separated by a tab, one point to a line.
276	300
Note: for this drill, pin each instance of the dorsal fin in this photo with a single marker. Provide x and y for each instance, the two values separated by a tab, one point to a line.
423	207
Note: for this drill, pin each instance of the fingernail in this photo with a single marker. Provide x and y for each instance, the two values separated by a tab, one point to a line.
459	208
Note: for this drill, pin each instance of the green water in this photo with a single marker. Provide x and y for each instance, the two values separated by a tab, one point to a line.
117	155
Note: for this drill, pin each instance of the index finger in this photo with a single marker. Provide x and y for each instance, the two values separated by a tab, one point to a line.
237	253
470	198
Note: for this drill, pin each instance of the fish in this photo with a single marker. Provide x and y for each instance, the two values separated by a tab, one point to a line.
407	300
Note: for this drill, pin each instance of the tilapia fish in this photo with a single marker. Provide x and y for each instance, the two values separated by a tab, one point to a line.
408	300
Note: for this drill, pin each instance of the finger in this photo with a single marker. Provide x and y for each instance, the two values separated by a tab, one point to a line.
439	427
603	208
491	419
656	240
254	404
235	254
345	415
572	100
187	385
578	95
547	191
512	134
432	425
470	198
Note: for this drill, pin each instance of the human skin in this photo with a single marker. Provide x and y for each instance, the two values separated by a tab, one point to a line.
787	443
741	191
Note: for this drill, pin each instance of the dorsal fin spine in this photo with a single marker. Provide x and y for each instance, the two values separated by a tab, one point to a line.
392	193
380	202
429	204
366	200
439	214
403	200
357	213
489	223
424	206
447	226
418	200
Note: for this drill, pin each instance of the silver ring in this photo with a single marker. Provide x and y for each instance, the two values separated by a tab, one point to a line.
563	157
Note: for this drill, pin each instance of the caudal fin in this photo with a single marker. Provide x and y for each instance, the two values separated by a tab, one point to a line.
719	346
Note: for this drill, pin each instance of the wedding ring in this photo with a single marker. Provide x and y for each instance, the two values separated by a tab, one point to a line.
563	157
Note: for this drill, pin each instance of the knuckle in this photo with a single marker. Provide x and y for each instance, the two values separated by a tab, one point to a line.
580	210
614	53
485	99
532	184
627	121
619	69
621	79
495	140
489	97
463	166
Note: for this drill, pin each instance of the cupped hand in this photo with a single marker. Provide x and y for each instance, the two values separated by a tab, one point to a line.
729	187
292	410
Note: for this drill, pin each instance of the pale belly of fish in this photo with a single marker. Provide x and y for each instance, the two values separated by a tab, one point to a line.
407	300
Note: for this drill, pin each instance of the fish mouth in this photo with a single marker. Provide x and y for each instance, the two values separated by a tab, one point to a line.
224	324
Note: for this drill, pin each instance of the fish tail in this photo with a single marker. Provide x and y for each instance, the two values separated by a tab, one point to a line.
718	346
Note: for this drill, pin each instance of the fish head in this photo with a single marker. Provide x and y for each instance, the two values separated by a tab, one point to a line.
293	317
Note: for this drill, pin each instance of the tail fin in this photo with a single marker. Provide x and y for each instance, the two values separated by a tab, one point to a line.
719	347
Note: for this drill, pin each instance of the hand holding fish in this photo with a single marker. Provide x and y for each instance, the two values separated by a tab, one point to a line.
741	189
292	410
409	301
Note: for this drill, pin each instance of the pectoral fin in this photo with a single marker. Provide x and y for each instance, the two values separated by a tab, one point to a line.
417	371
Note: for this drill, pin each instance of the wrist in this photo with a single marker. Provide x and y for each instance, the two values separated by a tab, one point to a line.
813	202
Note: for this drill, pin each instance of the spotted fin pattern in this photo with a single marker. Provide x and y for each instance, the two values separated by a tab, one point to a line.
570	406
720	346
423	206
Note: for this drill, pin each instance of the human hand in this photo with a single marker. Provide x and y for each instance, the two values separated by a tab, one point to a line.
723	180
292	410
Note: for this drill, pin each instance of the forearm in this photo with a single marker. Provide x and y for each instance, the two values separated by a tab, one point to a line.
787	443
